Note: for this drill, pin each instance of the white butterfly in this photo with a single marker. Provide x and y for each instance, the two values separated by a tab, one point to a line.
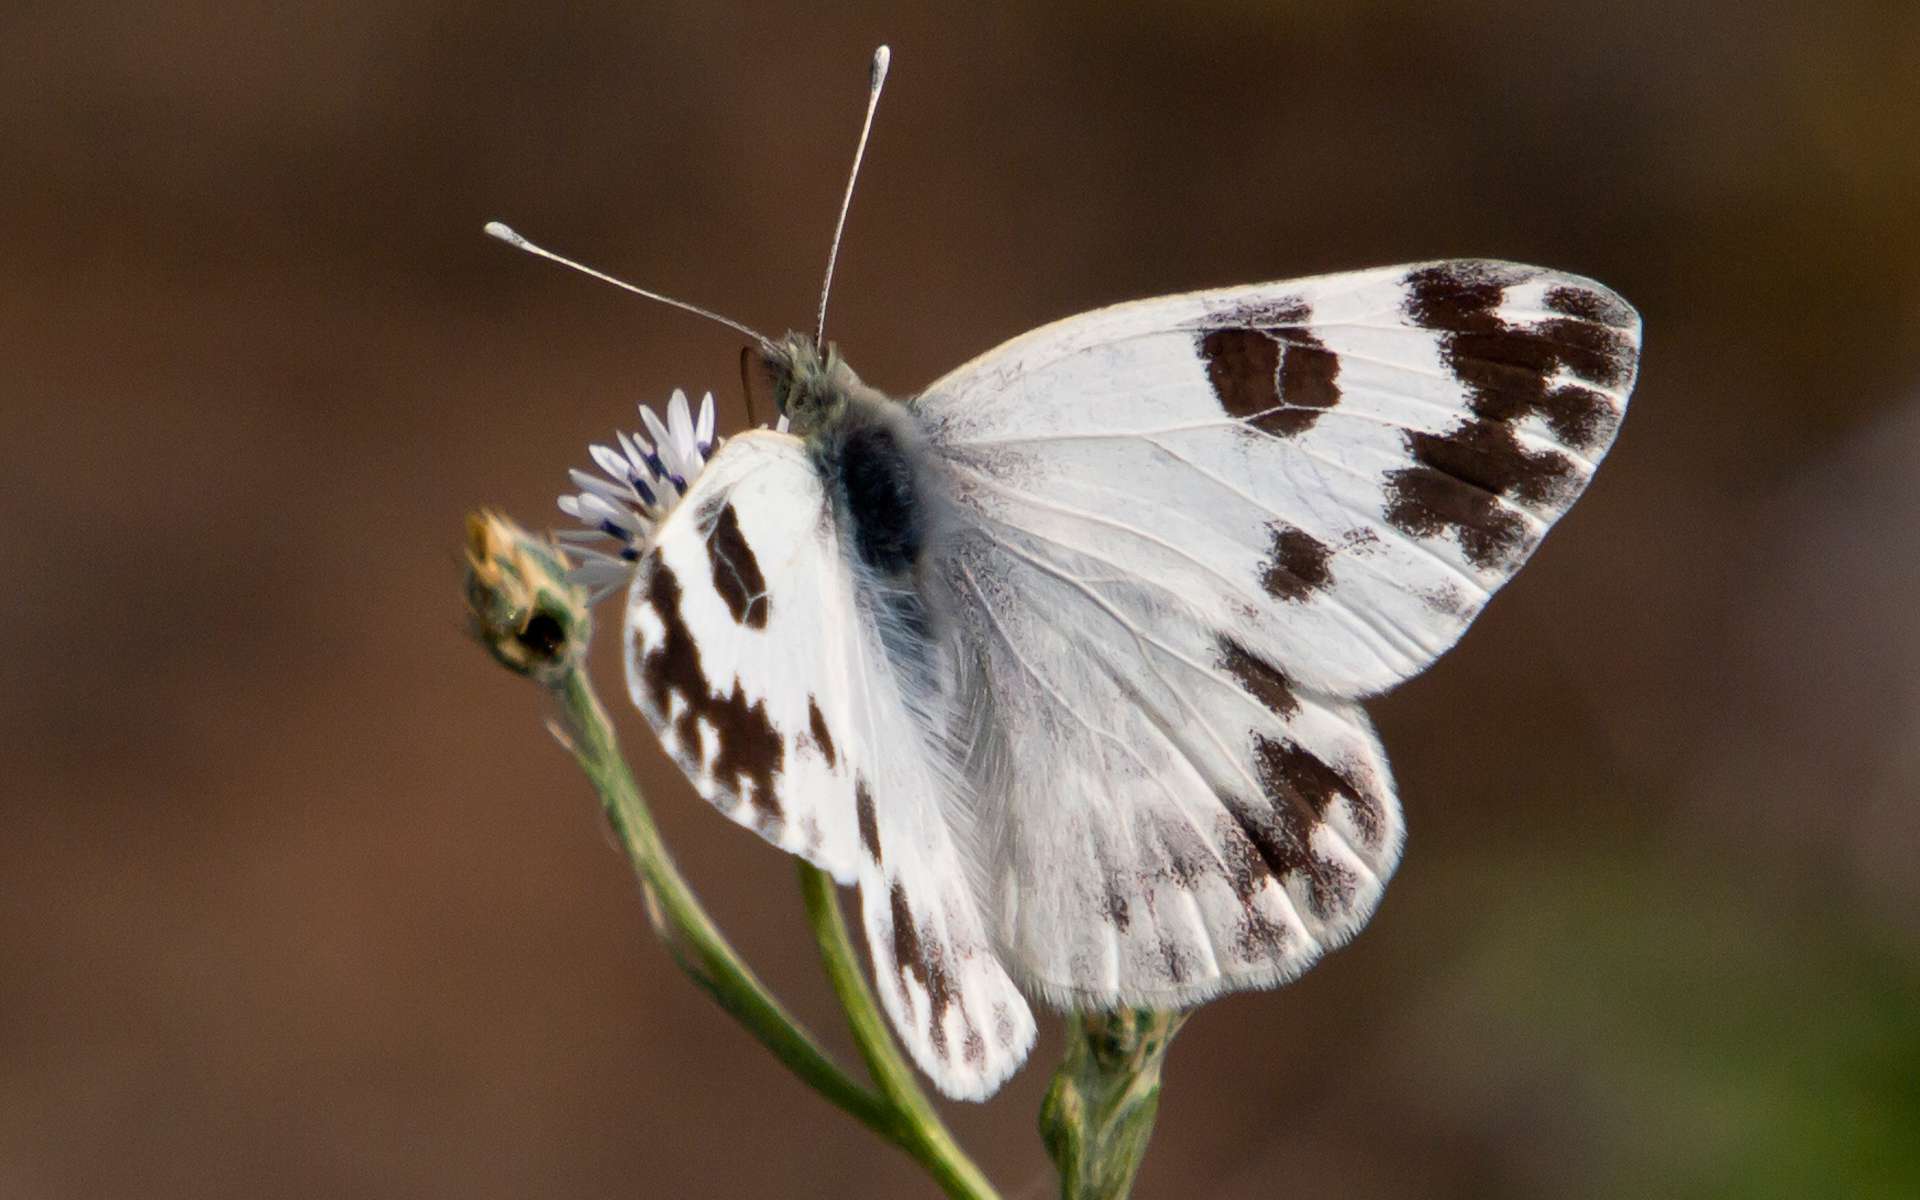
1060	660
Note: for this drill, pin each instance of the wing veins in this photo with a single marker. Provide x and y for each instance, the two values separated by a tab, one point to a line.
1141	642
1535	524
1415	369
1357	620
1034	673
1234	489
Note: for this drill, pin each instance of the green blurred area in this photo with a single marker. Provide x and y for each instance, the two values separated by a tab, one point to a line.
1715	1044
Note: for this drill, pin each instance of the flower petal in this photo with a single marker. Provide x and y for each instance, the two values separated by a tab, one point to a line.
703	431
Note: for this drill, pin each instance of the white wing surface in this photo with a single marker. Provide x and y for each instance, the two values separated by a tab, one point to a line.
753	649
1191	533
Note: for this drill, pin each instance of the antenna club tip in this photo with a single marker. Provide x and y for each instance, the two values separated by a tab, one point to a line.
881	58
503	231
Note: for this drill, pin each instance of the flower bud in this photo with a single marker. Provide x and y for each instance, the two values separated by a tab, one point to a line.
523	608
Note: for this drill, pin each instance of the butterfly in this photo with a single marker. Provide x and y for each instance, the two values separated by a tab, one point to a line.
1060	660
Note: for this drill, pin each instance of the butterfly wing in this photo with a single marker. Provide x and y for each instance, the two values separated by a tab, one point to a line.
753	649
1193	532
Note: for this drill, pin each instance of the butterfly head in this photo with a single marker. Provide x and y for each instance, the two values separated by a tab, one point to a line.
812	386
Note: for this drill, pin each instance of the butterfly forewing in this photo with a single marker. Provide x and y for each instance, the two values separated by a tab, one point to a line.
752	647
731	631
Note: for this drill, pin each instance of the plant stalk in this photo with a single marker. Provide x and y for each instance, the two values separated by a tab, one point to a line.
1098	1113
689	933
941	1155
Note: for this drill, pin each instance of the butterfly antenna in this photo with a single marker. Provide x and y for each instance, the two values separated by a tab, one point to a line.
507	235
876	79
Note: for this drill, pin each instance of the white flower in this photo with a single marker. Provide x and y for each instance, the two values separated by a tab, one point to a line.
644	480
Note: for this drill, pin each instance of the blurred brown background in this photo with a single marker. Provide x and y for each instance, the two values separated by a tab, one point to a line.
296	897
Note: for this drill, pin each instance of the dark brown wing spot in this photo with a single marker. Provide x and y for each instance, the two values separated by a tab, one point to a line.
673	665
1457	296
1577	415
1308	375
1257	937
973	1048
1320	784
925	962
1176	960
1603	307
1489	456
822	737
749	752
1509	370
1268	369
1425	502
1262	679
1333	887
1244	368
1113	900
1188	859
1247	869
1460	483
869	826
736	571
1297	791
1297	564
1275	830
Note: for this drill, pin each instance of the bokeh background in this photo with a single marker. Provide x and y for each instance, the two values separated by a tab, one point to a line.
297	898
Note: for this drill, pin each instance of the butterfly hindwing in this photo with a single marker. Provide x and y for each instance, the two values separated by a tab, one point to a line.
1194	531
1166	818
753	647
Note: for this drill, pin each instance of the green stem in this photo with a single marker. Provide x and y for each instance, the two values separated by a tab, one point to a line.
1098	1113
690	934
901	1113
930	1141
